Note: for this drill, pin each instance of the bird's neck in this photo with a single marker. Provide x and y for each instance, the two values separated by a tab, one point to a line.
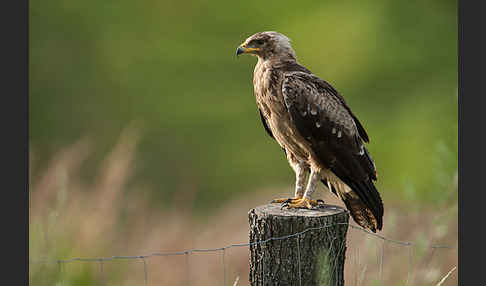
276	58
276	61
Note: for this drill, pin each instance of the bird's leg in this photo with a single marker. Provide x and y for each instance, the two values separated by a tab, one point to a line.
300	169
305	201
300	176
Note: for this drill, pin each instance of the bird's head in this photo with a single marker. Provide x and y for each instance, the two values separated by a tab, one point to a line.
266	45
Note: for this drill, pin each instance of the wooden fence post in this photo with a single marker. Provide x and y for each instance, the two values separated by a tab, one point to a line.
314	257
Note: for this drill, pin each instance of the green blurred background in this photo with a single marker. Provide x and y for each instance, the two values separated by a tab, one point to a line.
170	66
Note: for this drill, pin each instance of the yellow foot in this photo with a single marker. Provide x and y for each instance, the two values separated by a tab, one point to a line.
296	203
284	200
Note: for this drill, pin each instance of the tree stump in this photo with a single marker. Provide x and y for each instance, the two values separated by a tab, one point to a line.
297	246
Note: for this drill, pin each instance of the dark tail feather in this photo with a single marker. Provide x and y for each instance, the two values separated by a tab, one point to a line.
371	200
361	214
367	209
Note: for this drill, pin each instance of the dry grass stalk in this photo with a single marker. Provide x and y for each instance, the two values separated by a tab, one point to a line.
445	277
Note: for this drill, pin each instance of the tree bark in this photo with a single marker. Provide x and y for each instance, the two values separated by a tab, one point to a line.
287	249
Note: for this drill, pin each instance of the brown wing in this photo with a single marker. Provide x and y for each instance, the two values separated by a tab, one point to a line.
361	130
322	117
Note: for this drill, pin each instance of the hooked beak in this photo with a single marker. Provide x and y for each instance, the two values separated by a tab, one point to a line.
240	50
244	50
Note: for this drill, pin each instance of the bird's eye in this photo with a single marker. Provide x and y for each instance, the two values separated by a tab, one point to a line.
259	42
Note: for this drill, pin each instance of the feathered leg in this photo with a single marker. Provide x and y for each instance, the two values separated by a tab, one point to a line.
306	201
301	169
300	175
302	193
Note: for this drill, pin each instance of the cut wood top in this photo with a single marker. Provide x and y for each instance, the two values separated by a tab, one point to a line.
275	209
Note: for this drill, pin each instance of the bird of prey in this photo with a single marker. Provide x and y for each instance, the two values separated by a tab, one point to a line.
315	127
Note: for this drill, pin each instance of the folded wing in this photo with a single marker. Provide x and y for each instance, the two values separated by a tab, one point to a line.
337	138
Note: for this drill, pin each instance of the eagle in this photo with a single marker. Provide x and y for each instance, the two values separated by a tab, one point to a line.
317	130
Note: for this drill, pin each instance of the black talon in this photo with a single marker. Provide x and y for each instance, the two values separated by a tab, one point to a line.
320	203
286	203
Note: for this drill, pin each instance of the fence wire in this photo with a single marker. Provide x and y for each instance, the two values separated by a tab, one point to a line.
188	253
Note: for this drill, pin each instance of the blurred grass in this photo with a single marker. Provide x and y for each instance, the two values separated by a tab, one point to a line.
169	66
111	216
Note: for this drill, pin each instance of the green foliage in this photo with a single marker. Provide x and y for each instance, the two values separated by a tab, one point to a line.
96	66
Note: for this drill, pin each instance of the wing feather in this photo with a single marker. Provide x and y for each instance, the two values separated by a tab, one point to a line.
322	117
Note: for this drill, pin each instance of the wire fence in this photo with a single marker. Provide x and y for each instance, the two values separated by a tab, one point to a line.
144	259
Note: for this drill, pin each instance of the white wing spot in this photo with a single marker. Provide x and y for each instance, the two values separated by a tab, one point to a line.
361	152
304	113
313	111
333	130
339	134
318	124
